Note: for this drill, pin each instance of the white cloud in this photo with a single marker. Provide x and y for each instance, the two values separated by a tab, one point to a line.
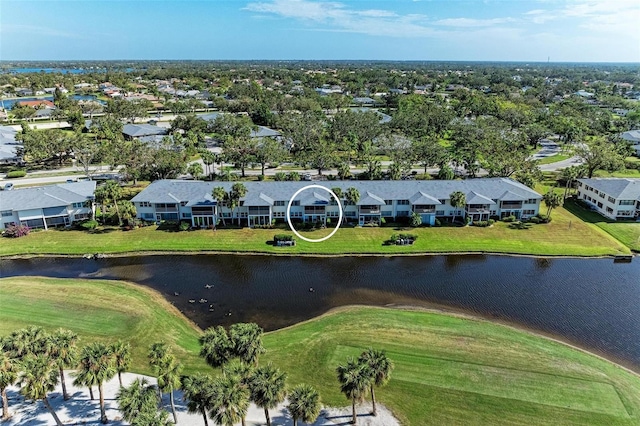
470	23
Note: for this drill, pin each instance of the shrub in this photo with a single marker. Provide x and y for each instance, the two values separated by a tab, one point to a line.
328	220
416	220
88	225
401	239
293	176
383	221
280	176
543	218
282	237
438	223
491	222
534	219
260	178
16	174
184	226
481	223
16	231
509	219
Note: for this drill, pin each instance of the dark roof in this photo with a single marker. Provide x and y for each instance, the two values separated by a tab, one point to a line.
139	130
618	188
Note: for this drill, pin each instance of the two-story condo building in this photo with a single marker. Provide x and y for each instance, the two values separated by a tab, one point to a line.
192	200
615	198
47	206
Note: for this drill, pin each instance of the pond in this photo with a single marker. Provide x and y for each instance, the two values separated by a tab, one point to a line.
9	103
592	303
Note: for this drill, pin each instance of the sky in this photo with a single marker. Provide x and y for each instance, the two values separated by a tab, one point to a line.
459	30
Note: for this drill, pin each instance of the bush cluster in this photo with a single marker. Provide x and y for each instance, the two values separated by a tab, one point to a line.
16	174
509	219
282	237
16	231
88	225
483	223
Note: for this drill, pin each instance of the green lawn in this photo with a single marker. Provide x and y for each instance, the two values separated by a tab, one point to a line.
99	310
565	235
457	371
628	232
553	159
448	369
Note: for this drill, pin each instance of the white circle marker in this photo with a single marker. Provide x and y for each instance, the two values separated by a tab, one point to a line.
289	215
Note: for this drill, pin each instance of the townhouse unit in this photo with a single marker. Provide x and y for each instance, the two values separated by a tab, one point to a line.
265	201
615	198
47	206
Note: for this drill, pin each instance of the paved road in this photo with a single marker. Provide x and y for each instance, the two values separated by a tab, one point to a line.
551	167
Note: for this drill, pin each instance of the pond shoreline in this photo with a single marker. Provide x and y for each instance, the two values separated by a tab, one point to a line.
307	255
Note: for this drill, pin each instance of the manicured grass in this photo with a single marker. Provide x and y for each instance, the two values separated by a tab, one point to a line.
626	173
451	370
553	159
628	232
565	235
100	310
448	369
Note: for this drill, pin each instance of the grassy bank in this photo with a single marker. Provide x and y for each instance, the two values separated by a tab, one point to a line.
99	310
448	370
566	235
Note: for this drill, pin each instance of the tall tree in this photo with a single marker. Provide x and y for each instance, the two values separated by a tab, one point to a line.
352	196
38	377
304	404
354	378
138	404
231	400
220	196
267	386
238	191
97	363
112	192
552	200
8	376
457	200
64	353
168	371
268	150
122	357
428	151
380	367
198	390
215	346
247	341
599	154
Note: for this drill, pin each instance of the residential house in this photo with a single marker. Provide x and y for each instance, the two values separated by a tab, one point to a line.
10	148
24	92
134	131
37	104
615	198
633	137
49	206
392	200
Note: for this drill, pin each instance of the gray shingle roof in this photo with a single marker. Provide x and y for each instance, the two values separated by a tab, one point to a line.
618	188
491	188
631	136
47	196
138	130
474	198
264	132
421	198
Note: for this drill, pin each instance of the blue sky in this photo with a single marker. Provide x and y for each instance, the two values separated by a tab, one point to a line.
497	30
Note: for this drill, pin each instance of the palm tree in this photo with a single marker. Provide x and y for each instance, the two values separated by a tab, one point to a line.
215	346
157	352
552	200
113	192
380	367
268	388
64	353
247	341
198	390
457	200
138	403
304	404
83	378
168	370
97	364
8	376
221	196
38	377
122	356
231	400
238	190
32	340
354	378
352	196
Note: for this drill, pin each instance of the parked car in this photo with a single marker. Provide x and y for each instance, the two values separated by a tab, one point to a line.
8	186
306	176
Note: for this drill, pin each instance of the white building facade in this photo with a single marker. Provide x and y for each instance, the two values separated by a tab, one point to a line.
615	198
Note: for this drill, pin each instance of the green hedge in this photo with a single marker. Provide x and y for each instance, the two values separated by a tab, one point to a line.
16	174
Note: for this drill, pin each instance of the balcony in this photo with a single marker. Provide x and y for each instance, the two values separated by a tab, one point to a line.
477	209
422	211
510	205
166	209
369	210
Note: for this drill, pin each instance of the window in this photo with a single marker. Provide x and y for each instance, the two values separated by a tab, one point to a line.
81	216
528	212
599	204
443	201
626	202
147	215
295	203
145	204
350	214
183	203
186	215
279	203
439	212
403	213
609	210
333	214
278	214
6	213
77	205
611	200
531	201
388	202
403	202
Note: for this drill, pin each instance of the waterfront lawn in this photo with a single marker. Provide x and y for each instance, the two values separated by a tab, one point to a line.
565	235
100	310
448	369
626	231
452	370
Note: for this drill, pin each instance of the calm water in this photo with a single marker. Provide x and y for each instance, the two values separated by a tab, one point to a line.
594	303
